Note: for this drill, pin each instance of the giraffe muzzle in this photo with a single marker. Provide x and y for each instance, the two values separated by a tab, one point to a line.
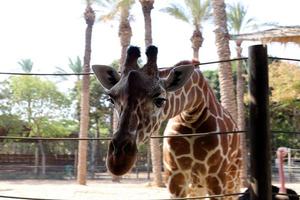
121	156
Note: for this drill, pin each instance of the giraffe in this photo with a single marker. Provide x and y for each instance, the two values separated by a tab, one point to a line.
144	97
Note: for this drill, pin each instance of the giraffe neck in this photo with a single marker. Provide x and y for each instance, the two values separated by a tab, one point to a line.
195	99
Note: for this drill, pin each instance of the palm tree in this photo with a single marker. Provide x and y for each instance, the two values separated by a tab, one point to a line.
26	65
236	22
89	16
195	13
225	72
147	6
121	9
74	65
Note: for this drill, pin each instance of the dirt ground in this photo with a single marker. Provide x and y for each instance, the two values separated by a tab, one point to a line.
127	189
70	190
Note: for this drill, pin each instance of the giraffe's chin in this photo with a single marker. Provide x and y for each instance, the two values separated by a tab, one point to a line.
120	164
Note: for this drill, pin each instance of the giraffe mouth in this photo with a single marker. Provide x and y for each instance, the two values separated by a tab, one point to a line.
121	157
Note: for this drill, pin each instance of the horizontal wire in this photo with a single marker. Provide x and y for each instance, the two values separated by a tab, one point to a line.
167	136
41	138
280	58
198	134
45	74
222	61
80	74
29	198
152	137
204	197
182	198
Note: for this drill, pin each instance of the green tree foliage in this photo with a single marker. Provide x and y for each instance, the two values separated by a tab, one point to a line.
12	125
285	102
5	104
39	103
285	83
100	111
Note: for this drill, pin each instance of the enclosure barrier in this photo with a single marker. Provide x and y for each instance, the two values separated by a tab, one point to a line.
259	126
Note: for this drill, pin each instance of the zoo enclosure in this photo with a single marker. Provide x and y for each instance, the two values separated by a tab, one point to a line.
260	142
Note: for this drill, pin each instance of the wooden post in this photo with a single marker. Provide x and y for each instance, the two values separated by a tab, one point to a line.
260	137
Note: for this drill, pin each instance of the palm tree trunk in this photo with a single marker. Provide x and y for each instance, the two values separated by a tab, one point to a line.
147	6
89	16
197	41
225	72
240	85
125	33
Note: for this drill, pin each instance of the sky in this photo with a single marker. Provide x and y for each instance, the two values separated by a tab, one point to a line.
50	31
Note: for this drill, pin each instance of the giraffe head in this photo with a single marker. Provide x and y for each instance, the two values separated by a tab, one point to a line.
139	96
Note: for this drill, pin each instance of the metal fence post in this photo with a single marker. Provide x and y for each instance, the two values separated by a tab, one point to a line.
259	133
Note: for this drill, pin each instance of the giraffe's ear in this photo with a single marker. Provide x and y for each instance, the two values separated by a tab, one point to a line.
106	75
178	77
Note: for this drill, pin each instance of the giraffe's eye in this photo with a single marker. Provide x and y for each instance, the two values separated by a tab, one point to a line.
159	102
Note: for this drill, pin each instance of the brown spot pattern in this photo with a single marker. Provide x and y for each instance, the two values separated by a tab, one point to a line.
176	183
212	106
182	129
214	161
180	146
214	183
185	163
208	143
199	152
208	126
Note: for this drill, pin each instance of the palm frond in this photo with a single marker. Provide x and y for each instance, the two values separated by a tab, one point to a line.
199	11
26	65
110	15
106	3
177	11
236	16
126	3
76	66
113	7
60	70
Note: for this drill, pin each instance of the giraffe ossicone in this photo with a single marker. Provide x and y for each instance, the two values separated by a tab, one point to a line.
144	97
